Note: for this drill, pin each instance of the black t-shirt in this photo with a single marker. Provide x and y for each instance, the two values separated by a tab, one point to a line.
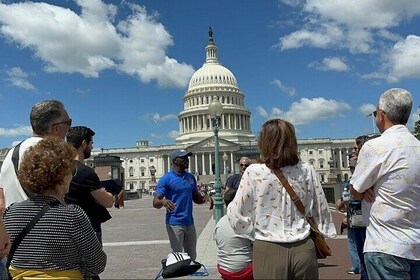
82	184
233	181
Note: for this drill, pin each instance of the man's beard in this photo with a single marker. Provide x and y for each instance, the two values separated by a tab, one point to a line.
86	153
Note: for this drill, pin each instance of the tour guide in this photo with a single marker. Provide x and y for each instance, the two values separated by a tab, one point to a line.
176	191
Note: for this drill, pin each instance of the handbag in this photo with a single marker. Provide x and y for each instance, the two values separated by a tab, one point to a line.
321	247
354	215
24	232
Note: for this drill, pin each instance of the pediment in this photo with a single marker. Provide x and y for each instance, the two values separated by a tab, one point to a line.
208	143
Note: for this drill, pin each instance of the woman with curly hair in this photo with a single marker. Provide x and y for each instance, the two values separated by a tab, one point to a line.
283	248
62	244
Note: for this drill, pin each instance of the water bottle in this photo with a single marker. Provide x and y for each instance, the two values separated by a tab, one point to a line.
346	195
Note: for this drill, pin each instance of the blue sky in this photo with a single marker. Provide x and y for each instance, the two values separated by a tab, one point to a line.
123	67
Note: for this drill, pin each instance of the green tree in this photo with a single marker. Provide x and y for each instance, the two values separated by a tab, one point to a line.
417	129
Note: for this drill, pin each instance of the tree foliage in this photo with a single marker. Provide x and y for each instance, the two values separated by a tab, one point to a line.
417	129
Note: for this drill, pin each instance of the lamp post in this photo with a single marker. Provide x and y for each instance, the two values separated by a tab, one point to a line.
215	110
225	158
152	170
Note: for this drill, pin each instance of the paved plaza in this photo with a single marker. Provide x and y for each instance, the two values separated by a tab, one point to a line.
136	241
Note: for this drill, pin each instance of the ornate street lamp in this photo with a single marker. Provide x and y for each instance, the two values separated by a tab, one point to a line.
215	110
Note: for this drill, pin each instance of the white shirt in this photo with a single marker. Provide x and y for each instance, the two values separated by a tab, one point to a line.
13	191
391	163
263	203
234	251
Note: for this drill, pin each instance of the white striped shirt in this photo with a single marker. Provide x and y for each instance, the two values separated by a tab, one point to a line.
63	239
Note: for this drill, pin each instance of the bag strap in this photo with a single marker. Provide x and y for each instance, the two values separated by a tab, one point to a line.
25	231
15	161
295	198
15	157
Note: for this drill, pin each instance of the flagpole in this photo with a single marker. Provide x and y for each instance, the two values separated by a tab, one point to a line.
373	124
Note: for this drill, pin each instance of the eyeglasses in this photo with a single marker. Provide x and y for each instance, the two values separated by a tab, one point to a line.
68	122
244	165
375	113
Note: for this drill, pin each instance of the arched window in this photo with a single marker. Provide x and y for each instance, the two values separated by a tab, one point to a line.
131	171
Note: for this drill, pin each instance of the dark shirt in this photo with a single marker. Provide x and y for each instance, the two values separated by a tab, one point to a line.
234	181
62	239
82	184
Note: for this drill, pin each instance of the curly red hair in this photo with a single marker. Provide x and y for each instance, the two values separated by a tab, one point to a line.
45	165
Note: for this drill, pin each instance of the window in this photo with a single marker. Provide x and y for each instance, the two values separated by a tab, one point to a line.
320	152
151	159
131	171
142	171
311	152
142	160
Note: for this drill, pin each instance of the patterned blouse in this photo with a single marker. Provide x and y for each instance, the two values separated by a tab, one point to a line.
63	239
263	203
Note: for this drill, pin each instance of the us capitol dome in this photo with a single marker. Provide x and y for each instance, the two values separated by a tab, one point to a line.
214	80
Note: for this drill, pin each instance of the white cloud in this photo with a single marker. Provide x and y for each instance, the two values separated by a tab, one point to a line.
262	112
330	64
156	117
171	134
325	37
353	25
20	130
93	41
289	90
404	59
19	78
310	110
367	109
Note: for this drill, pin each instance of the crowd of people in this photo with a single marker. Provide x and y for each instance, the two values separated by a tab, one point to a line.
54	205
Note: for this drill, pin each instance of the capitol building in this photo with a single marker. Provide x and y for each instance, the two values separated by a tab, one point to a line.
140	167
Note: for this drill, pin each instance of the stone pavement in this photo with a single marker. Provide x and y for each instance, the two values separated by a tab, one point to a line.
135	241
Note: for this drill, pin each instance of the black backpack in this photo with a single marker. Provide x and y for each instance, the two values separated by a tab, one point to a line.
178	264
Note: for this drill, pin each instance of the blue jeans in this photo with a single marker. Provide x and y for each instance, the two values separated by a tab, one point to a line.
3	270
384	266
354	257
358	235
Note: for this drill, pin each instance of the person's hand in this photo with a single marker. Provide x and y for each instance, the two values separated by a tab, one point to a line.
369	195
4	243
340	205
210	200
168	204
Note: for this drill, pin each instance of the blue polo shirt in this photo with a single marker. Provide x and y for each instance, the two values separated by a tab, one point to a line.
179	188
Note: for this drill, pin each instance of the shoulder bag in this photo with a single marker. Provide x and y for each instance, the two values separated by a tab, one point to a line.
321	247
23	233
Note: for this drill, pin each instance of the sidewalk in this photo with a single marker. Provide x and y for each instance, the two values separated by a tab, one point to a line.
334	267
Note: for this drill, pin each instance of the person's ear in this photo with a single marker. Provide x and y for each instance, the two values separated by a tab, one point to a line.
84	144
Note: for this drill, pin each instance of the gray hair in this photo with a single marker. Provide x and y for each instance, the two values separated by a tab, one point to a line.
44	114
245	158
397	104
